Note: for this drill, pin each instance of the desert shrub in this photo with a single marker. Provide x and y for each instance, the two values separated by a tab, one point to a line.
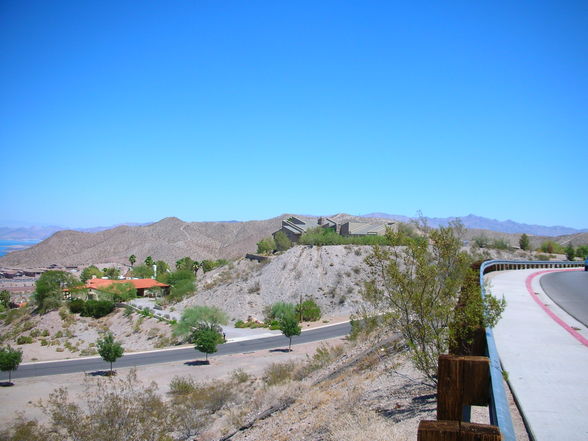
14	314
481	241
181	385
327	236
35	333
281	241
278	373
309	311
279	310
240	324
209	265
240	376
97	308
323	356
266	246
45	333
24	340
500	244
274	325
550	246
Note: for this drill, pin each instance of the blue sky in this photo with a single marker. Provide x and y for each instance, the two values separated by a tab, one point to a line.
129	111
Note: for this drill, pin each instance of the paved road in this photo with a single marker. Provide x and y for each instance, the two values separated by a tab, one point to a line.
570	291
180	354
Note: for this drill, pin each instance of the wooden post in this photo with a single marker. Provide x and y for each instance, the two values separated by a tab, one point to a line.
461	381
456	431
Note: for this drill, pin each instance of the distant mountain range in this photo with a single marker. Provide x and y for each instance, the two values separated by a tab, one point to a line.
171	239
484	223
30	233
38	233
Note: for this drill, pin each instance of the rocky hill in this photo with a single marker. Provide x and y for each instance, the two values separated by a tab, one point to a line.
169	239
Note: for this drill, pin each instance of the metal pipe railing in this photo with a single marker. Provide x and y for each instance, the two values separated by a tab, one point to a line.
499	407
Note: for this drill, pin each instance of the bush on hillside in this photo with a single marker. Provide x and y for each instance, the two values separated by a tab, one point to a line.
97	308
309	311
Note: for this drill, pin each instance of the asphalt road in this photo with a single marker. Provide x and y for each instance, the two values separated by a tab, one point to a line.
94	364
569	289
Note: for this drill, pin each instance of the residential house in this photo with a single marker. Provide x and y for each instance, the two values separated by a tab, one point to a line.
294	227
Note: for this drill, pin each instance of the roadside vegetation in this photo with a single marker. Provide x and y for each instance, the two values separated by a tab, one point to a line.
331	396
427	291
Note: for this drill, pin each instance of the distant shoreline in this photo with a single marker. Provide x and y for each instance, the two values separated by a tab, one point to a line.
7	246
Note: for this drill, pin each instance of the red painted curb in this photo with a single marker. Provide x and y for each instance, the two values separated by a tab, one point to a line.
549	312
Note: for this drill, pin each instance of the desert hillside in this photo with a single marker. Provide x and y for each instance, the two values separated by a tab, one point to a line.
169	239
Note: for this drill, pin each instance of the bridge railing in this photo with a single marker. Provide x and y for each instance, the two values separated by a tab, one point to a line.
499	408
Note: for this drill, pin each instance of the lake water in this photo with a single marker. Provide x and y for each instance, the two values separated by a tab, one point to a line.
7	246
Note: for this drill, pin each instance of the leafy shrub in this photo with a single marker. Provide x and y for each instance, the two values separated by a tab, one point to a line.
24	340
77	306
240	324
279	310
309	311
327	236
551	247
97	308
500	244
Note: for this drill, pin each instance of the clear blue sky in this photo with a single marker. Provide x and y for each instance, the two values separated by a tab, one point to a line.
131	111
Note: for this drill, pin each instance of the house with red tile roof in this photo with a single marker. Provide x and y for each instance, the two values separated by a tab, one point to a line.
140	285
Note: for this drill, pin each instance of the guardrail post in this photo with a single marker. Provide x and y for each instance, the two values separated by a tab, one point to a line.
456	431
462	381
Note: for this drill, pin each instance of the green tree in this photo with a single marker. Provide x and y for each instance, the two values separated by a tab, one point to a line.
5	298
143	271
9	360
149	261
524	242
582	251
417	288
90	271
290	327
282	241
161	267
187	264
49	288
266	246
201	317
205	340
570	252
112	273
109	349
132	259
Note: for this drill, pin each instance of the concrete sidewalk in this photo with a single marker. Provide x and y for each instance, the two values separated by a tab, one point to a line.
547	367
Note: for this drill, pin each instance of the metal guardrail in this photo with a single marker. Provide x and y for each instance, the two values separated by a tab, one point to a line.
499	408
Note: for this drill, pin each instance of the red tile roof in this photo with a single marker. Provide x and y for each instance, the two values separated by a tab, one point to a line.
137	283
